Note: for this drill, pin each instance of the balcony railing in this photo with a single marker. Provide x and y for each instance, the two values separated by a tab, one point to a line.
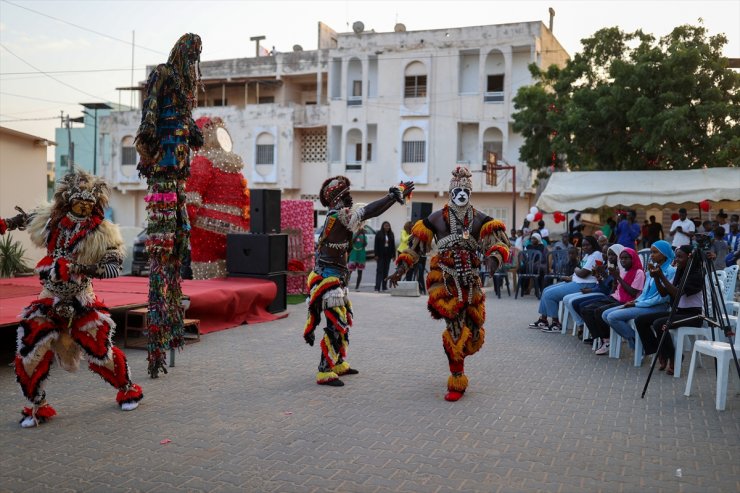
354	101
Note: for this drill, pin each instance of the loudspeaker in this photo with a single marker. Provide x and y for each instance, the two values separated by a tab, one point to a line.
264	210
279	304
248	253
420	210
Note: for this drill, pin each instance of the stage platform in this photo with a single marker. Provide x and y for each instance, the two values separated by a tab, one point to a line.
218	303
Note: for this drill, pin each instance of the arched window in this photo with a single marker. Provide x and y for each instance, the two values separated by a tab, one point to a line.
265	151
414	146
129	157
495	68
128	151
415	81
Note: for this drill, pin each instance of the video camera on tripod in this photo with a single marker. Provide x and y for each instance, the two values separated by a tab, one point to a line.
714	312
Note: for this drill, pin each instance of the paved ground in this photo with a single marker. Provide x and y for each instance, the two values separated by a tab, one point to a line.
243	413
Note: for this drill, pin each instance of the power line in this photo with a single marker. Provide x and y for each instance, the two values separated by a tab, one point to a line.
82	27
29	119
36	99
51	76
75	71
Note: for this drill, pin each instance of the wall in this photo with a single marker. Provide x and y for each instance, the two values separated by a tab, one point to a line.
22	183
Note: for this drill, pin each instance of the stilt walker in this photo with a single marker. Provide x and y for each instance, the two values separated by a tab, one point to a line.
165	137
327	284
463	234
68	322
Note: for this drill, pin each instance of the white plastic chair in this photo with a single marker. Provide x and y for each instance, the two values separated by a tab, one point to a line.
615	345
725	365
681	333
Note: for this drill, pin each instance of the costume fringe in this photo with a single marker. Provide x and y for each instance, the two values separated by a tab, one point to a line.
492	226
341	368
424	234
133	394
476	312
118	376
501	250
456	350
472	345
42	415
326	376
31	383
406	258
457	383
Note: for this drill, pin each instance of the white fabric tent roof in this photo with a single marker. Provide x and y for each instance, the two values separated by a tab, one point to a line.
577	191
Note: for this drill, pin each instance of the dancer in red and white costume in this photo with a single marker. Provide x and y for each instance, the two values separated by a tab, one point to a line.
217	199
68	322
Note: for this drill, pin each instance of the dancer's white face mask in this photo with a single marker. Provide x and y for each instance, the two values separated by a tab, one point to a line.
460	196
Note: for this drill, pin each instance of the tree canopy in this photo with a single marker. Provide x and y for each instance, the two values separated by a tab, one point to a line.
628	101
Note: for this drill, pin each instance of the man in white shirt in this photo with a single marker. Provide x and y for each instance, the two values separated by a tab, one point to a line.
682	229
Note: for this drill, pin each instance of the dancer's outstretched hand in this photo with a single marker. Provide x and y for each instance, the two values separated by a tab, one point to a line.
310	338
393	279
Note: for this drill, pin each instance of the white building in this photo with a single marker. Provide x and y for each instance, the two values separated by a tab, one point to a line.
376	107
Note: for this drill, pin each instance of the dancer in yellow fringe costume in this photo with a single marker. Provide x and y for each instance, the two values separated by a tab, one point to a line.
327	284
454	286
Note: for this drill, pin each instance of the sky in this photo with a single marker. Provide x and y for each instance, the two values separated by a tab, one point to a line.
57	54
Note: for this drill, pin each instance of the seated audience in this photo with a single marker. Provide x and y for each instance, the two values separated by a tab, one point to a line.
629	281
650	327
582	278
650	300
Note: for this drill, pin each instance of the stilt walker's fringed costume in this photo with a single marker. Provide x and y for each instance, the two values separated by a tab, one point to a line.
327	284
218	200
165	137
463	235
68	322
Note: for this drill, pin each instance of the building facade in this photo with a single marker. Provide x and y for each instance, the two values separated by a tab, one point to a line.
23	181
377	107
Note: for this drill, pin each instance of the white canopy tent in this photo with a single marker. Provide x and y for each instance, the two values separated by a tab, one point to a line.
583	190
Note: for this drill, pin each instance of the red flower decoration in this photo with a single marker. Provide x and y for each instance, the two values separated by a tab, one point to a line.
704	205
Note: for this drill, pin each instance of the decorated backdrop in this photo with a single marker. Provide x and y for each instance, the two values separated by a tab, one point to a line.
297	221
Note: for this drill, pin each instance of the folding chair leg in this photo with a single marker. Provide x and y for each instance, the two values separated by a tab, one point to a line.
690	379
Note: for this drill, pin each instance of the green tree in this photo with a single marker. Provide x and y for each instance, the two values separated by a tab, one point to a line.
629	101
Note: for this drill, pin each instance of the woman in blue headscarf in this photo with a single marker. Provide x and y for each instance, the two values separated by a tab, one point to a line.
649	301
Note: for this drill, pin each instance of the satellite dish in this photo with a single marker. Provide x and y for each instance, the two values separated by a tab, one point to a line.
297	48
358	27
399	28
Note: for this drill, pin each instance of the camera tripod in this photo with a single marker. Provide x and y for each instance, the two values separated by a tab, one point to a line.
715	315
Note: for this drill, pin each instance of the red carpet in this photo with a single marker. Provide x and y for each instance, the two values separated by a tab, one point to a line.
218	303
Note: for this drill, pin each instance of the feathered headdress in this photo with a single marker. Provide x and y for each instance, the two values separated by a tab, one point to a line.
81	185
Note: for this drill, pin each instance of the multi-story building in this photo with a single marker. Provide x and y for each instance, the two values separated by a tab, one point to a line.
376	107
80	143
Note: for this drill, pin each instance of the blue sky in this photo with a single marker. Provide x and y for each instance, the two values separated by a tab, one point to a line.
85	46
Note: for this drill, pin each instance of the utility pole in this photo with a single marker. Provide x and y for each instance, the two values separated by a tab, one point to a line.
71	152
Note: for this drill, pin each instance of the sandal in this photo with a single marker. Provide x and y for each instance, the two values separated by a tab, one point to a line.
670	369
663	363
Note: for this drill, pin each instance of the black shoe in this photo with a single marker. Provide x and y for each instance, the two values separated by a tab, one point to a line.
351	371
589	341
332	383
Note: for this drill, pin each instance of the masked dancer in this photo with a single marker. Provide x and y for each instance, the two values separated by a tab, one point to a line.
68	322
327	284
463	234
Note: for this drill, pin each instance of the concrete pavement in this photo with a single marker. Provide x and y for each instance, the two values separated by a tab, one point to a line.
242	412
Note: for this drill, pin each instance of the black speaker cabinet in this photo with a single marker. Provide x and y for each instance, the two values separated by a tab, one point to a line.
420	210
279	304
264	210
256	254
